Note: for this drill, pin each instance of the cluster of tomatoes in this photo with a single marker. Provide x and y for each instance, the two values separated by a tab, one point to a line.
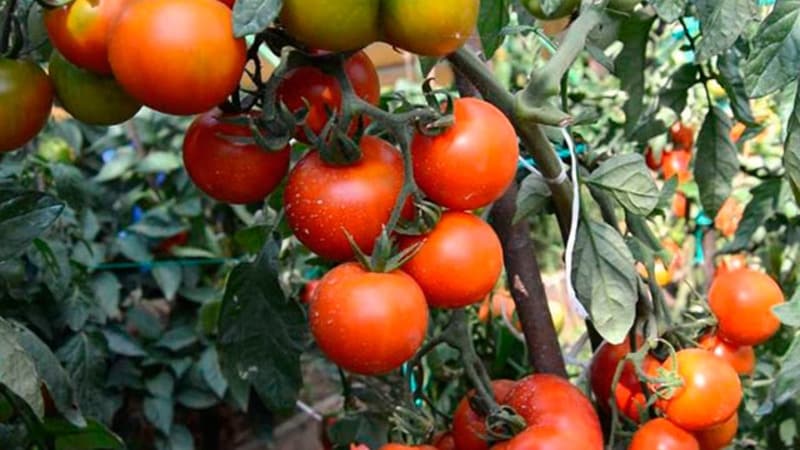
697	390
675	161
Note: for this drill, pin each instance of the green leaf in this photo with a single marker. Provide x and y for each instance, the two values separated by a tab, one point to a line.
666	197
24	216
212	373
492	19
252	239
168	278
786	386
791	149
161	386
722	25
765	201
94	436
628	180
669	10
364	427
121	343
534	195
732	80
134	247
196	399
261	334
106	289
84	359
674	96
180	438
605	279
253	16
775	57
789	312
716	163
159	162
18	370
630	65
123	160
156	225
159	412
178	338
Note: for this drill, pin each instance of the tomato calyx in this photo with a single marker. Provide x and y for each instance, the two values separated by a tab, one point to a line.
502	424
427	215
411	426
385	257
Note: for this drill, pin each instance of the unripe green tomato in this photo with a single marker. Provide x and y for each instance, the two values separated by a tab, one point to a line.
535	8
337	26
56	149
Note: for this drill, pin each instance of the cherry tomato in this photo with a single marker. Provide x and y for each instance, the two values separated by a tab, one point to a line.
472	163
720	436
91	98
458	262
469	427
499	304
661	434
171	242
652	160
535	8
445	441
677	163
80	31
27	96
230	171
710	394
336	26
628	394
742	359
309	290
368	323
177	56
682	136
730	263
322	91
742	301
323	200
728	217
680	205
429	28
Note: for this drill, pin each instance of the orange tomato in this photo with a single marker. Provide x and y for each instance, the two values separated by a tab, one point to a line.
677	163
741	358
679	205
720	436
728	217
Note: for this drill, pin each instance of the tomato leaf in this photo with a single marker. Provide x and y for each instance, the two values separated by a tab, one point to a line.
791	149
605	280
731	79
253	16
765	202
775	57
84	359
722	24
534	196
630	65
24	216
18	371
627	179
789	312
261	334
168	278
159	411
493	17
716	163
365	427
674	96
93	436
786	385
669	10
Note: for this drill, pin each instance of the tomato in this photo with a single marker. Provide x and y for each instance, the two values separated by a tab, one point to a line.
81	29
429	28
469	427
171	242
730	263
558	415
680	205
323	200
720	436
682	136
742	301
308	292
91	98
322	91
458	262
27	96
56	149
728	217
228	3
652	160
661	434
368	323
177	56
742	359
393	446
472	163
535	8
663	276
677	163
336	26
445	441
629	396
498	304
230	171
710	394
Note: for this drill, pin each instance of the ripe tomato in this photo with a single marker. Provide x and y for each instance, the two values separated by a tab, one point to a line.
27	96
742	359
171	242
558	415
229	171
652	160
497	304
742	300
177	56
322	91
677	163
720	436
469	427
81	29
661	434
535	8
472	163
323	200
628	393
682	136
429	28
459	244
336	26
710	394
445	441
680	205
308	292
228	3
728	217
730	263
368	323
91	98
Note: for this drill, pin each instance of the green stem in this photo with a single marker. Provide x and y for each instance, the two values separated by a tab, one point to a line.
460	338
5	32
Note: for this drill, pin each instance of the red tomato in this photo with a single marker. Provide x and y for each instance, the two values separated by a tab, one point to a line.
81	29
228	3
742	301
628	393
469	427
230	171
653	161
661	434
682	136
368	323
742	359
558	415
679	205
728	217
26	94
710	394
169	243
322	91
459	261
720	436
445	441
323	200
308	292
472	163
677	163
177	56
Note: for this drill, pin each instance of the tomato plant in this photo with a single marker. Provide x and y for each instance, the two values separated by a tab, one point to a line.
27	95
